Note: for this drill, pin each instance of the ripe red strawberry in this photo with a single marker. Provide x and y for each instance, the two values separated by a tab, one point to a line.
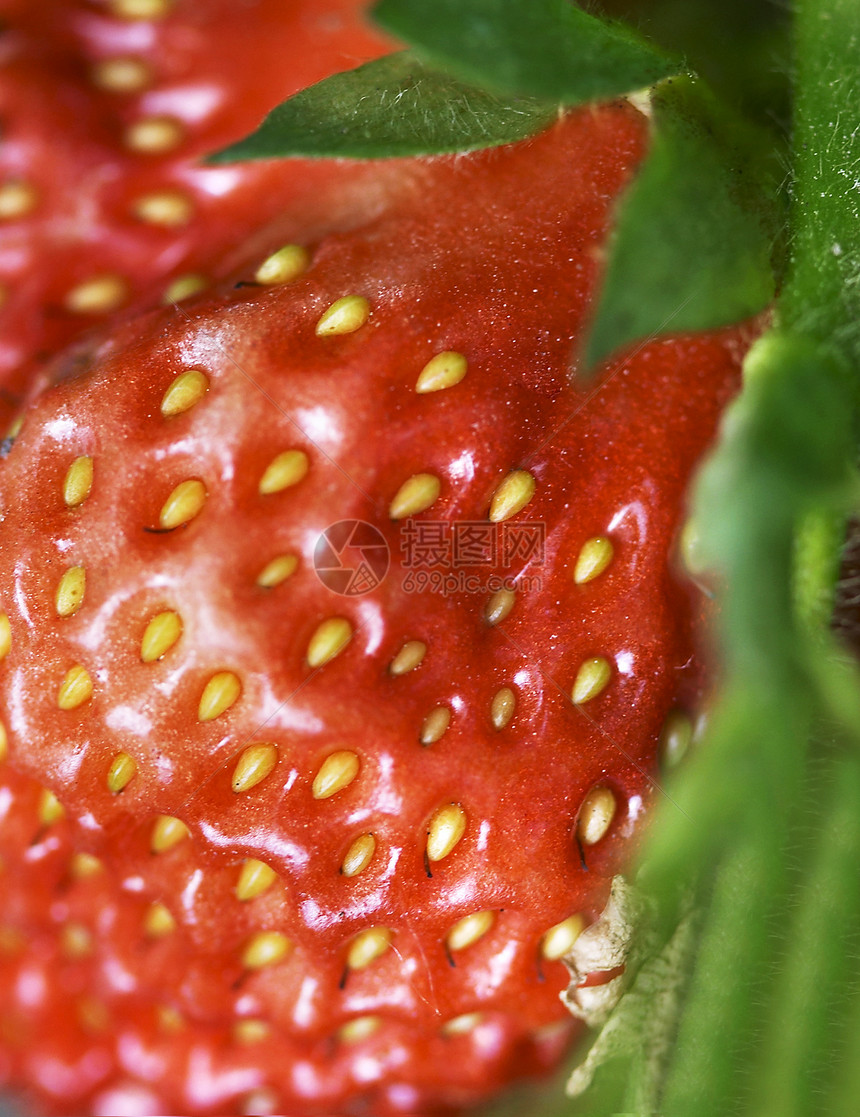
344	838
106	106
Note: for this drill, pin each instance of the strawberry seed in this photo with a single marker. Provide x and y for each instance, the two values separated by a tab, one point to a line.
254	878
442	371
447	827
367	946
336	772
255	763
78	481
358	856
266	948
468	930
344	316
284	265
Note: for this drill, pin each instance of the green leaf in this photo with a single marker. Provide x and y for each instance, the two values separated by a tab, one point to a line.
739	47
797	1053
548	49
695	233
394	106
715	1030
823	295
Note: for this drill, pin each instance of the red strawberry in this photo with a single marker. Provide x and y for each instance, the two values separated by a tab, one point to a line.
370	822
105	108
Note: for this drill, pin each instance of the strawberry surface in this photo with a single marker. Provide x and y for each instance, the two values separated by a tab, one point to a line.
106	108
344	838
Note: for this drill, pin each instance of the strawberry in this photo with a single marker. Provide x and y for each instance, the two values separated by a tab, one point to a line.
322	807
106	107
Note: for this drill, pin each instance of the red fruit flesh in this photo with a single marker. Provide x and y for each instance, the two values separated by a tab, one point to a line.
411	1020
104	118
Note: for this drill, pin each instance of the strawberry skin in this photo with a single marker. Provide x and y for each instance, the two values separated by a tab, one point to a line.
106	109
370	822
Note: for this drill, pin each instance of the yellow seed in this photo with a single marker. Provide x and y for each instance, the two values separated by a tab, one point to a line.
408	658
359	855
75	689
468	930
184	287
5	635
184	503
169	209
512	495
121	75
435	724
154	135
122	771
594	557
186	390
70	591
367	946
329	640
249	1031
447	827
503	706
50	808
595	815
336	772
140	9
78	482
99	295
255	763
284	471
83	866
265	949
591	679
559	939
287	263
675	738
17	199
690	548
14	428
499	606
462	1025
76	940
218	695
254	878
159	636
414	496
4	742
344	316
361	1028
277	570
167	832
158	921
169	1019
442	371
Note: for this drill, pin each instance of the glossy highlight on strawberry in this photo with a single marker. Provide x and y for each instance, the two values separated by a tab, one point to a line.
341	842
